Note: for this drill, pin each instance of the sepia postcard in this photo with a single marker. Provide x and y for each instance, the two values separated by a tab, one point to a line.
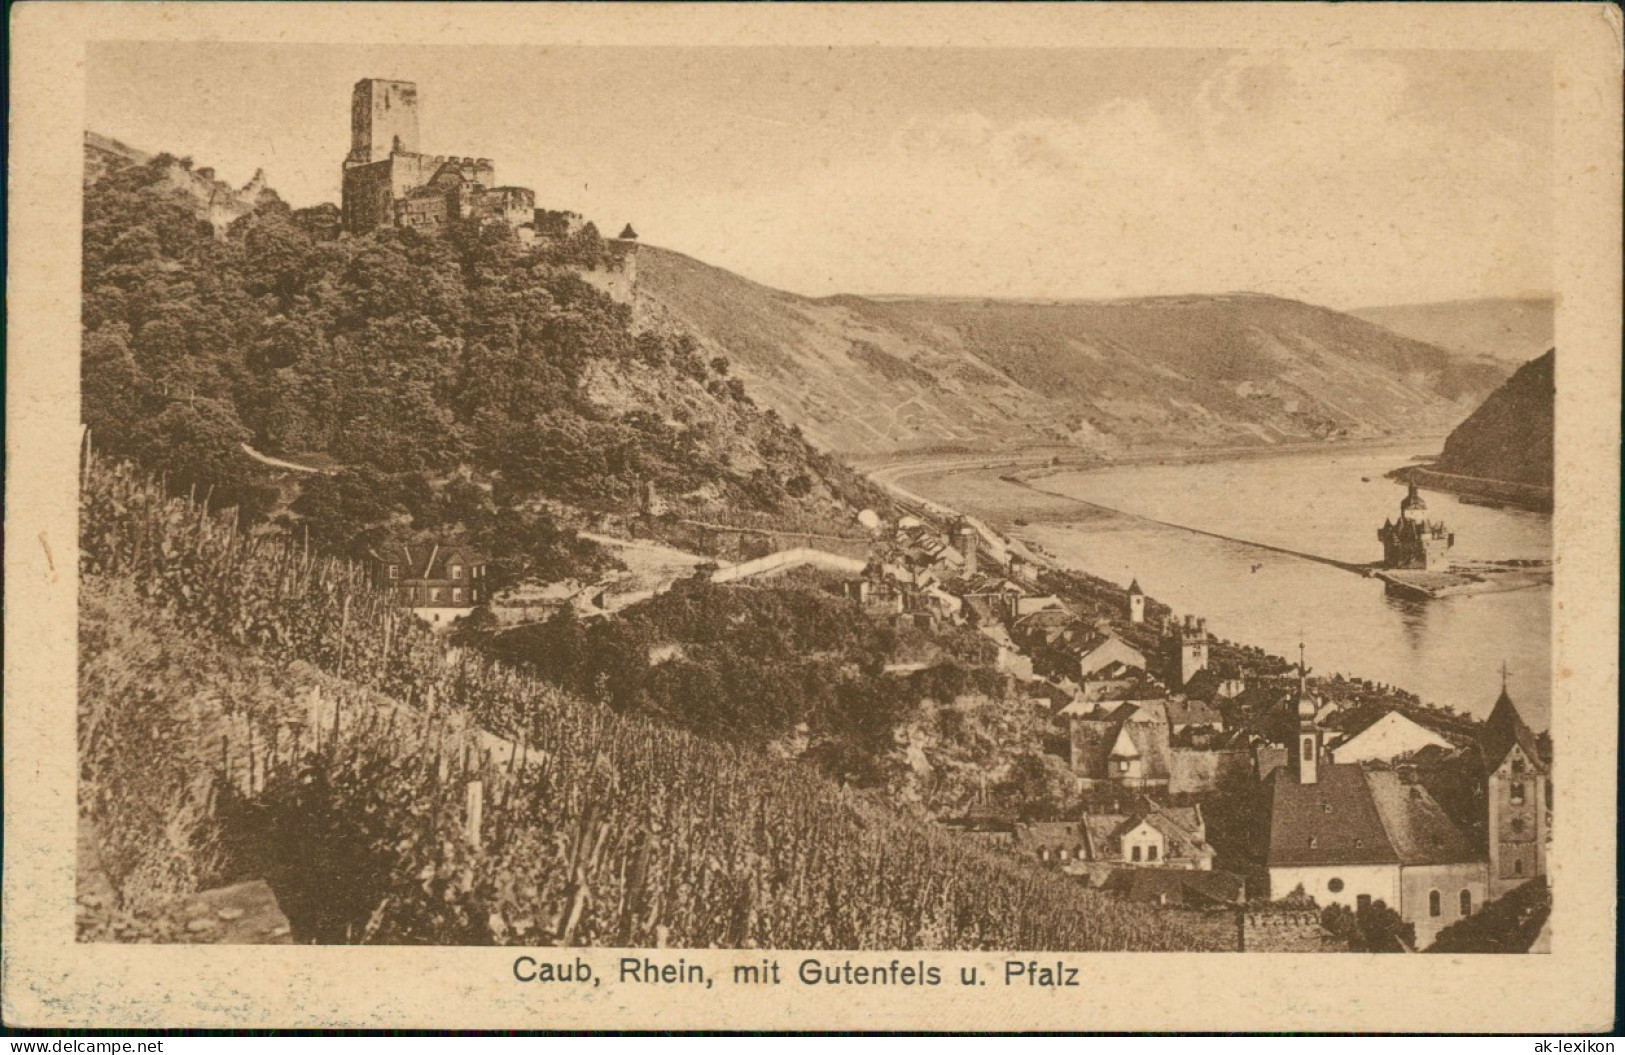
906	517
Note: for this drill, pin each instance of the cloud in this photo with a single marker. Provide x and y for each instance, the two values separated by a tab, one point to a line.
1321	177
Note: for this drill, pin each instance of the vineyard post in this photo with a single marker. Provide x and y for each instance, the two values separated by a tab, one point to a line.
314	724
475	806
344	632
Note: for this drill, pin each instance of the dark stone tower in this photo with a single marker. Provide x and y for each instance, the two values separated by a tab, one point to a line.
383	120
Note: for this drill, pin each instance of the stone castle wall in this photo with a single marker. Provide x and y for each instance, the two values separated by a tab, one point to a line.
1273	930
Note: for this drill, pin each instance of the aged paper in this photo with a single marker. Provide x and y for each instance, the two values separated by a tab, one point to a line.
1089	296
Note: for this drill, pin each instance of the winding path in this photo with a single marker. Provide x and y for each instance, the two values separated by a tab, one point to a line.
266	459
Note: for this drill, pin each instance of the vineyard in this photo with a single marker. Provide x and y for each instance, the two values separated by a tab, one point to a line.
249	708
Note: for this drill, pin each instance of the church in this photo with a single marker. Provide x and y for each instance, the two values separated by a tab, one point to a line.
1355	835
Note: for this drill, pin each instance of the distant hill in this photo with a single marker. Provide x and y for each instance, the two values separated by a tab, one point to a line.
1509	437
1512	330
871	376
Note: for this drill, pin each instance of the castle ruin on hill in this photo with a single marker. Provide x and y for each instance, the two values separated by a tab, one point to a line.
389	182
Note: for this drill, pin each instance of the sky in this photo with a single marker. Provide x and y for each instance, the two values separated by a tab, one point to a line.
1343	178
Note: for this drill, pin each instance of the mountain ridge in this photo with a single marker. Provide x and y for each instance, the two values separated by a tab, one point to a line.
869	376
1509	329
1509	437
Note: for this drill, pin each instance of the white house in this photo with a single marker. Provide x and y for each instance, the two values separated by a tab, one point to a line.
1389	737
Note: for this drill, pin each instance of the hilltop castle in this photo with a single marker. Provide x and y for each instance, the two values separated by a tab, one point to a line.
388	182
1414	541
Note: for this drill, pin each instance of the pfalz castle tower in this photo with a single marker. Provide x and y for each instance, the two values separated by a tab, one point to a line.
389	182
1414	541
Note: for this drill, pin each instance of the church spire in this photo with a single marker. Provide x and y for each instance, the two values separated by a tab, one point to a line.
1306	752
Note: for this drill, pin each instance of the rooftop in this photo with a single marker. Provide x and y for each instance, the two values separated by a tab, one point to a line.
1333	821
1417	828
1502	730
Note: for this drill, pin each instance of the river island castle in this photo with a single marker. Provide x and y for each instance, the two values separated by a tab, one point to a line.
1414	541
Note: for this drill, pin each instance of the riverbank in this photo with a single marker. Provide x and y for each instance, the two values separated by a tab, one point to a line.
1477	490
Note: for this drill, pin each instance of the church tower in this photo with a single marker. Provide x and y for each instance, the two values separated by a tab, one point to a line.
1514	798
383	120
1306	744
1136	602
1192	648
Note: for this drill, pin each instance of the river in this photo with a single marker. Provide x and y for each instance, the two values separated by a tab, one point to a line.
1329	503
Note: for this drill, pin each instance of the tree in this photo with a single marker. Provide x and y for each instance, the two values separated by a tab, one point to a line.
1373	927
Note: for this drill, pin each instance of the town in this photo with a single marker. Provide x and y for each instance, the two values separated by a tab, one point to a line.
1207	785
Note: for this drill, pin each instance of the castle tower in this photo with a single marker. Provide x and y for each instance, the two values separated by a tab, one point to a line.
1411	541
383	120
1306	745
1514	798
1136	602
1413	506
1192	648
967	543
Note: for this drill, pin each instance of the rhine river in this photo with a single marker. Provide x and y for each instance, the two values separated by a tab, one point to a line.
1448	651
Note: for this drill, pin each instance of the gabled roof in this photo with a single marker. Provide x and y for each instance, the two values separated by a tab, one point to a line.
1191	712
1203	685
1134	688
1182	840
1044	619
1123	746
426	560
1417	828
1178	886
1390	736
1149	711
1502	730
1180	828
1331	822
1049	835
